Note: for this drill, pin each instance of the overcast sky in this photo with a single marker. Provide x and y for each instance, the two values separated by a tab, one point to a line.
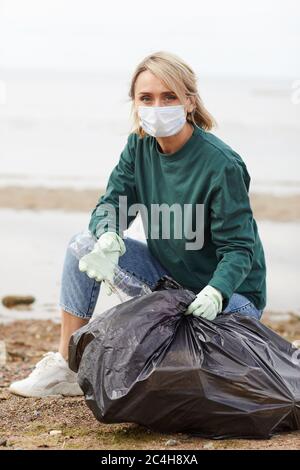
217	37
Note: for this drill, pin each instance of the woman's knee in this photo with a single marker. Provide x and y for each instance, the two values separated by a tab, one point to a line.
73	238
79	245
71	258
241	304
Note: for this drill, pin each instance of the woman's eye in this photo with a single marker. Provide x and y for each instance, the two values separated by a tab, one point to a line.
145	98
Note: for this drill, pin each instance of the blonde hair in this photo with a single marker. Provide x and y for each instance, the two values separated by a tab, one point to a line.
180	79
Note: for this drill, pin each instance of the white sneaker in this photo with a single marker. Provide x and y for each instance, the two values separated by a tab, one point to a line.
51	376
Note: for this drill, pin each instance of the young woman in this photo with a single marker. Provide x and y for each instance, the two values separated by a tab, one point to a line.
170	159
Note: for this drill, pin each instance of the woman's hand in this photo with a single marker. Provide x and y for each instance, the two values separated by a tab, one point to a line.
207	304
100	263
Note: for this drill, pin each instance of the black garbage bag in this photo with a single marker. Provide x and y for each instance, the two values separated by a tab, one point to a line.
143	361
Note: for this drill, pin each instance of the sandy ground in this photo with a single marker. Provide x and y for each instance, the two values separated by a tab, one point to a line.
25	423
265	206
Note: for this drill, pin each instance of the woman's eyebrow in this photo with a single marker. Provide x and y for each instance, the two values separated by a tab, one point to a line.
149	93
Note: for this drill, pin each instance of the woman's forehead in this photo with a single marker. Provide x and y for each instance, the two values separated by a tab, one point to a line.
147	82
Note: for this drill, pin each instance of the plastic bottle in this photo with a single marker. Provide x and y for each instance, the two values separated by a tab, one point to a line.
125	285
83	243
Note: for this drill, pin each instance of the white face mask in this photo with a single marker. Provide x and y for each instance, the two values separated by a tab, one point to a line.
162	121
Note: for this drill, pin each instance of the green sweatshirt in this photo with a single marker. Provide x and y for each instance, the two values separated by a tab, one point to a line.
207	171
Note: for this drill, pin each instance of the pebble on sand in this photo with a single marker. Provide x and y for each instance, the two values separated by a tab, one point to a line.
171	442
55	432
10	301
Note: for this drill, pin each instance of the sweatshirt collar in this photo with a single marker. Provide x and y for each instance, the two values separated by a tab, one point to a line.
180	153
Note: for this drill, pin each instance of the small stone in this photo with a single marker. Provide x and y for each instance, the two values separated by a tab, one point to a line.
55	432
4	396
10	301
36	413
209	446
3	442
171	442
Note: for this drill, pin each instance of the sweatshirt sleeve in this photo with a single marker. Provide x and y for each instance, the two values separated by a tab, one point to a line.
108	213
232	231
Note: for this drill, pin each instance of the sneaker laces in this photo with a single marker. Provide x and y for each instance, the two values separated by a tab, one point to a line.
49	358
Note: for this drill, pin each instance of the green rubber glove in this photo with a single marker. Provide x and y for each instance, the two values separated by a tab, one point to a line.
207	304
101	262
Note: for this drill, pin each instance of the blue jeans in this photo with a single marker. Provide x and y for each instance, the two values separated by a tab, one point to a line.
79	293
